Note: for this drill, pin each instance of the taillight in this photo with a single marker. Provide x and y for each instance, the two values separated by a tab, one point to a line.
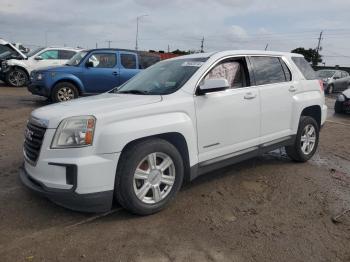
321	85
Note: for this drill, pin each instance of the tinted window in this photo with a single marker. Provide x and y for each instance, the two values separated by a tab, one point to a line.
268	70
49	55
304	68
66	55
103	60
286	70
344	74
128	61
232	71
147	60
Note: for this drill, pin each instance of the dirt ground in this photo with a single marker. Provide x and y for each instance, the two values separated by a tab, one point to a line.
264	209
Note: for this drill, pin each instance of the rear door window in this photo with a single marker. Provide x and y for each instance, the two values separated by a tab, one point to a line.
66	54
305	68
269	70
128	61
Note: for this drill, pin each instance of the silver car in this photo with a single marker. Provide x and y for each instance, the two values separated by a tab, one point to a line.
334	80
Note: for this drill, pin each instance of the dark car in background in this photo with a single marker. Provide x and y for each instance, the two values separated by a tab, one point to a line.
342	104
334	80
89	72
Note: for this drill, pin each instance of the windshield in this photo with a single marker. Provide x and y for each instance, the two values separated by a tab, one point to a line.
76	59
7	52
34	51
162	78
325	73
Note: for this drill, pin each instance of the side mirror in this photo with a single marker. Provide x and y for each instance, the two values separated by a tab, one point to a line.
89	64
38	58
212	85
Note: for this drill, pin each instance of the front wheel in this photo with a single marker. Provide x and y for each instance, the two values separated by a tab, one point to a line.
149	175
306	140
17	77
64	91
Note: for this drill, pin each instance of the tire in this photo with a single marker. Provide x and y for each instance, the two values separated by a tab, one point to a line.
296	151
338	107
17	77
330	89
140	196
64	91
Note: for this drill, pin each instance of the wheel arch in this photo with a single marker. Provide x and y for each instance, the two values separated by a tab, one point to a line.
313	111
74	82
19	67
174	138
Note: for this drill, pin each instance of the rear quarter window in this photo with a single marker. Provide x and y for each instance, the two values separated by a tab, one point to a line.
305	68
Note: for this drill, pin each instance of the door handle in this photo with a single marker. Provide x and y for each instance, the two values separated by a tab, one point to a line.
115	73
249	96
292	89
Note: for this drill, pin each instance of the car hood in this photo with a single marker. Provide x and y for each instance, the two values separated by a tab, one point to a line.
347	93
5	43
97	106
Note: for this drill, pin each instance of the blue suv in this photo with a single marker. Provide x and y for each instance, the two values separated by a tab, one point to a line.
89	72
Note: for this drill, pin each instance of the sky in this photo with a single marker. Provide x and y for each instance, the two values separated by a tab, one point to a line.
225	24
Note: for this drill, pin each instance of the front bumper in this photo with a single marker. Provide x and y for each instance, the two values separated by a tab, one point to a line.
37	88
68	198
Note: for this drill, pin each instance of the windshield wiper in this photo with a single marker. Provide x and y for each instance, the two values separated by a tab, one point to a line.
135	92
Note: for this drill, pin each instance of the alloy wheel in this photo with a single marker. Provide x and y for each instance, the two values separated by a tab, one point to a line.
65	94
154	178
17	78
308	139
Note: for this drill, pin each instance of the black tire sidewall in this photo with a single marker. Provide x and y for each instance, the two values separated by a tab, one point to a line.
58	86
338	107
13	70
303	123
125	176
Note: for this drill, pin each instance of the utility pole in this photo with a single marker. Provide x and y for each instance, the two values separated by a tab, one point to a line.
96	45
137	31
109	43
202	45
267	45
168	49
318	49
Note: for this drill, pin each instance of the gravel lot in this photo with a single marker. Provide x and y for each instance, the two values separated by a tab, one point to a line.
265	209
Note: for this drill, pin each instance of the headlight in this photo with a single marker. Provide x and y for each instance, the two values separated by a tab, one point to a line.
74	132
341	98
39	76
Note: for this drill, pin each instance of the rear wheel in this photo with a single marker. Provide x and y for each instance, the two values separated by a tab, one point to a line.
17	77
306	140
338	107
149	175
64	91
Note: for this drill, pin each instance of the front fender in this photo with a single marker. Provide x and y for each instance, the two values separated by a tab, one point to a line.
70	78
115	136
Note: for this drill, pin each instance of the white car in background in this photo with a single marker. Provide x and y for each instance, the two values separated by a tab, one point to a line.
16	66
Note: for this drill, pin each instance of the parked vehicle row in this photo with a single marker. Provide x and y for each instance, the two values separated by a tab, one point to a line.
172	122
334	80
89	72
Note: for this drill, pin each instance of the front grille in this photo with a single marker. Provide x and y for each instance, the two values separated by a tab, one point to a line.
34	136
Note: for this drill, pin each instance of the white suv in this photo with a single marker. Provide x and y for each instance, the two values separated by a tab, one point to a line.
16	72
176	120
